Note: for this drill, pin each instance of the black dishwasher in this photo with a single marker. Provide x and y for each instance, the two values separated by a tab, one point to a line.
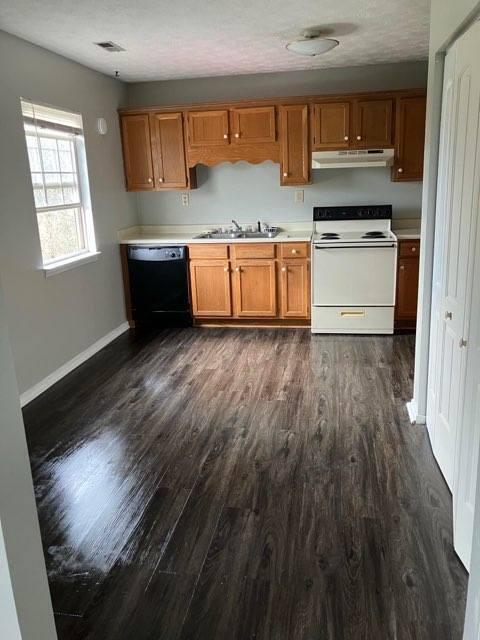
159	285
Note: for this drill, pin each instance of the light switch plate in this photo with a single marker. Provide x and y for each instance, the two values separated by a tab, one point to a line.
185	199
299	196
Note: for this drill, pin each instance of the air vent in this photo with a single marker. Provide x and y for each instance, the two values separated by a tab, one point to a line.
110	46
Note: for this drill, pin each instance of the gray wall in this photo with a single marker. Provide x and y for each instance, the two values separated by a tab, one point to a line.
404	75
52	320
250	192
25	576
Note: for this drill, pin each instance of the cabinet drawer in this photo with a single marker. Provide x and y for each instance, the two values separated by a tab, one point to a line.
294	250
409	248
348	319
258	250
219	251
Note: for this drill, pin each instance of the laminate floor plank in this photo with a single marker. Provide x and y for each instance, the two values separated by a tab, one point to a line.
229	484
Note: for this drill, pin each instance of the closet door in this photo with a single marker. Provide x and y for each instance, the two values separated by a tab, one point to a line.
468	71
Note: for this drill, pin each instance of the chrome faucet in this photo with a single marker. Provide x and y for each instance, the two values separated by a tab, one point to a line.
239	228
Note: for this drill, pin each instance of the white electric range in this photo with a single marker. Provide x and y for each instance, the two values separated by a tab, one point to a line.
354	264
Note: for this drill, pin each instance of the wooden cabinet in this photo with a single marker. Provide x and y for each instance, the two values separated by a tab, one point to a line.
253	125
331	125
409	139
208	128
255	288
407	284
294	145
210	288
295	289
251	283
168	151
154	152
137	152
373	123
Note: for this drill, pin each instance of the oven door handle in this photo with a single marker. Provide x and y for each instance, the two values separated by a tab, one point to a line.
358	246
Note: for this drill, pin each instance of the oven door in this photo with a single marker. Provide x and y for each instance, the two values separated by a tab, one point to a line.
362	275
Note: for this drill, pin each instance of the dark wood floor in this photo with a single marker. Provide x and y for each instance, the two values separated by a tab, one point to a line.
243	484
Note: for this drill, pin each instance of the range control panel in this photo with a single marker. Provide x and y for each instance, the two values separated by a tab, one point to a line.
156	254
368	212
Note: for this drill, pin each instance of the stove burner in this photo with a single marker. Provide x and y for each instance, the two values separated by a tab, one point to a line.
374	234
330	236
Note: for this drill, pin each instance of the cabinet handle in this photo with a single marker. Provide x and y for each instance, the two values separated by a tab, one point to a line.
284	268
359	137
150	180
160	179
414	249
237	269
226	269
345	137
225	135
285	174
448	315
400	170
237	135
294	251
402	267
462	343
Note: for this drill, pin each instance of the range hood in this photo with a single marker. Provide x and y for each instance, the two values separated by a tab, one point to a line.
352	158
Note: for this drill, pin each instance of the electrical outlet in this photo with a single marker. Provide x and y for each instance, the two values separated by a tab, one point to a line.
299	196
185	199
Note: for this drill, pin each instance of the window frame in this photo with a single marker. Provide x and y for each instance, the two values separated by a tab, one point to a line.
84	214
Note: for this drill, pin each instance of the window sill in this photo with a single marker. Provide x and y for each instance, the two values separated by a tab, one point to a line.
71	263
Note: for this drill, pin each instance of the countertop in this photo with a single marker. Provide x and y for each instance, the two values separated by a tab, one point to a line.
162	236
407	234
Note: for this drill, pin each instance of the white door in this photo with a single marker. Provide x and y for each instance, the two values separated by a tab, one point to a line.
468	65
444	167
453	392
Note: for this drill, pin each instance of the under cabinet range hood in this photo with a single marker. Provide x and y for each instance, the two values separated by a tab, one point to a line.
352	158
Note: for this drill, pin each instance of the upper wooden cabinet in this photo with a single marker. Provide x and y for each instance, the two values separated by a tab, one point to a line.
331	125
137	152
208	128
253	125
168	151
294	151
409	139
373	123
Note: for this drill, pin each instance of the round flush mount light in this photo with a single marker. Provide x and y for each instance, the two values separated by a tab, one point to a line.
312	44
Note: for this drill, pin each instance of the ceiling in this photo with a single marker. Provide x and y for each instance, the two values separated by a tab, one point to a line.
166	39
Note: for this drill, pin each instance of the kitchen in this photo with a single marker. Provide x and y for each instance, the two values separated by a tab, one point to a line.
240	361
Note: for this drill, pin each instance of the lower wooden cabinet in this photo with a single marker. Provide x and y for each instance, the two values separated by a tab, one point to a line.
263	286
255	289
407	284
295	289
210	288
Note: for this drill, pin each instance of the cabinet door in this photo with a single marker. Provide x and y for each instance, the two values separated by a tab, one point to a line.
137	153
294	156
295	289
255	289
253	125
210	286
407	289
331	125
168	151
409	139
373	123
208	128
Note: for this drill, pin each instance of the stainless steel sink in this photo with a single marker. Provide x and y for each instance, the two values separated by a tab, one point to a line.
235	235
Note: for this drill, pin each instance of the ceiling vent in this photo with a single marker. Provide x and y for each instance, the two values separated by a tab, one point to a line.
110	46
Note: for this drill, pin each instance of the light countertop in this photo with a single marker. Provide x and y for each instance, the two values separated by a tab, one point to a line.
408	234
186	235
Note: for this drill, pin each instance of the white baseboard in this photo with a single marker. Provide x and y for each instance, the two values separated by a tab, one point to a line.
30	394
415	417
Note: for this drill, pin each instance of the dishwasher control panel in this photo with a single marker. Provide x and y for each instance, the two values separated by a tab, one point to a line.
155	254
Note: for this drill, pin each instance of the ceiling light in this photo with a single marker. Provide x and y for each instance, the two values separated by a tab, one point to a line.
312	44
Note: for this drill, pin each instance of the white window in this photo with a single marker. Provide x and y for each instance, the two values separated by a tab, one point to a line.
58	167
